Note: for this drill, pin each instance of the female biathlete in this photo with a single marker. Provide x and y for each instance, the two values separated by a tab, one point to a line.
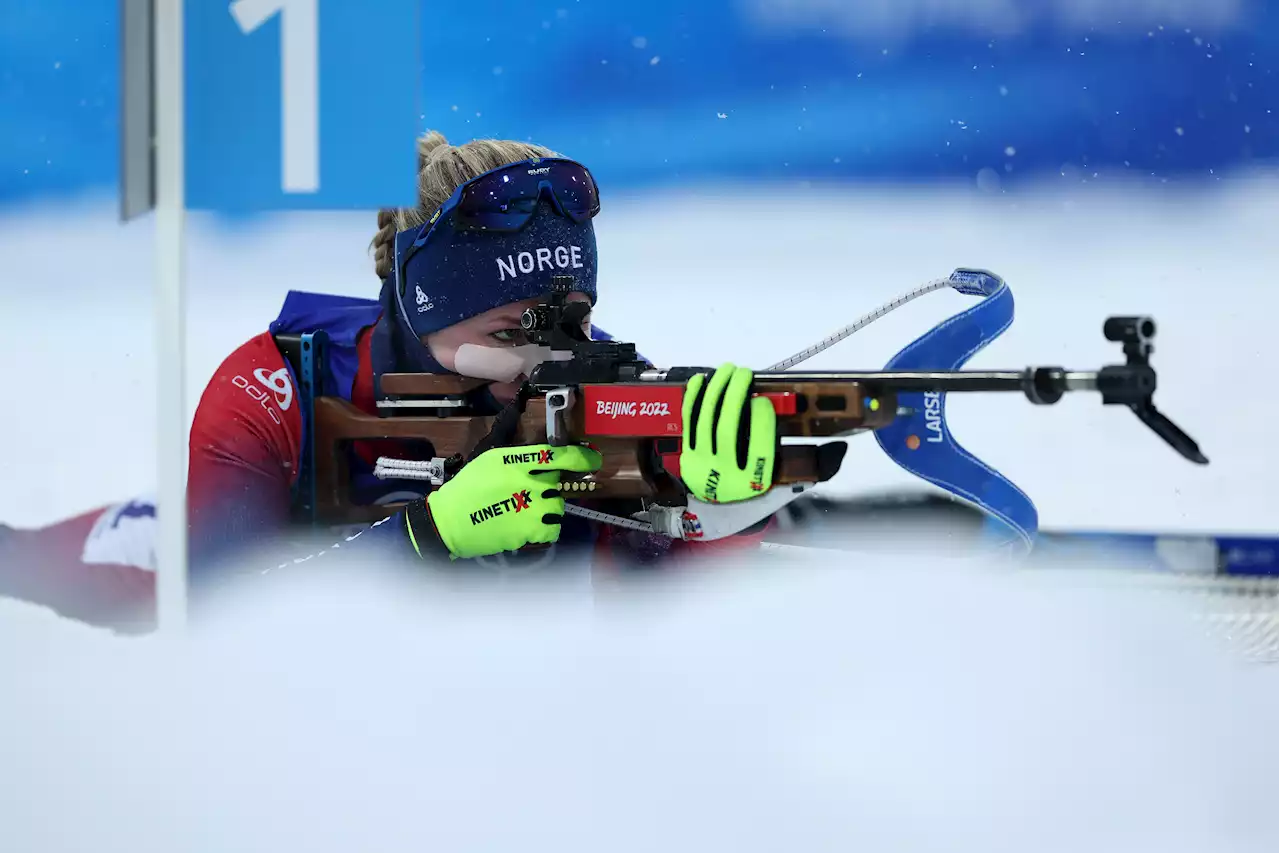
451	300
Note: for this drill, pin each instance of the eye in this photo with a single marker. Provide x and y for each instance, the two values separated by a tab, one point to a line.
509	337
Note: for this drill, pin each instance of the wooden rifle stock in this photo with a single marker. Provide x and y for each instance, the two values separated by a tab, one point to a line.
637	464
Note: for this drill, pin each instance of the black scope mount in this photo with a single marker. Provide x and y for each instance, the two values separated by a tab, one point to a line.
560	325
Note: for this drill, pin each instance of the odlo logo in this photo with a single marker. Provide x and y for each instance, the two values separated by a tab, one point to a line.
515	503
713	485
277	382
757	476
542	457
424	301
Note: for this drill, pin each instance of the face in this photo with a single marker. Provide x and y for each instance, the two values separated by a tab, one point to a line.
496	328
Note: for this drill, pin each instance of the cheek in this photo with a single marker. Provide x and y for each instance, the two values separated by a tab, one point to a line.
442	349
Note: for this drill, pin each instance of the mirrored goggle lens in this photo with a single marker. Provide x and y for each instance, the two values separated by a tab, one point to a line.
507	199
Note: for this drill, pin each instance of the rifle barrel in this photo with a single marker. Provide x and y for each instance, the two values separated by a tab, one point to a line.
914	380
910	380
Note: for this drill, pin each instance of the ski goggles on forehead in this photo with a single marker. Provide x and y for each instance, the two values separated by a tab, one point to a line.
506	198
497	239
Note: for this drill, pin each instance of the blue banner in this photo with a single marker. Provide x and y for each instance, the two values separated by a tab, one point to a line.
668	92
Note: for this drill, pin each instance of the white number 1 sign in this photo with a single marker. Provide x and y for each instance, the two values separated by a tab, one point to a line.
299	84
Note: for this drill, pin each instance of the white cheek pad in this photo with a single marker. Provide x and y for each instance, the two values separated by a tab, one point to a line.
502	364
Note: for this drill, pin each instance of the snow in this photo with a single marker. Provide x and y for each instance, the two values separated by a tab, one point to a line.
919	703
915	705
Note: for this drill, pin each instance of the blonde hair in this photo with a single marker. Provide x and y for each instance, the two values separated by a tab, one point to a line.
442	168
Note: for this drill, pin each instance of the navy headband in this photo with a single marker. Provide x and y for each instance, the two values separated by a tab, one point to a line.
450	275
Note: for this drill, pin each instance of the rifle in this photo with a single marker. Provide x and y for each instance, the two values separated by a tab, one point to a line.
602	393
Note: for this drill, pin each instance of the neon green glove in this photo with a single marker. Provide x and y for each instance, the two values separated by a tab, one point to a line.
724	456
502	500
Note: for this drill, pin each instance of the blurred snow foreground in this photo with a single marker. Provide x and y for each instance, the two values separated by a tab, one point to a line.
856	704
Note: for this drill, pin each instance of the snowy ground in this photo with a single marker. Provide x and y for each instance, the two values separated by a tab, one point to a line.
922	704
881	706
